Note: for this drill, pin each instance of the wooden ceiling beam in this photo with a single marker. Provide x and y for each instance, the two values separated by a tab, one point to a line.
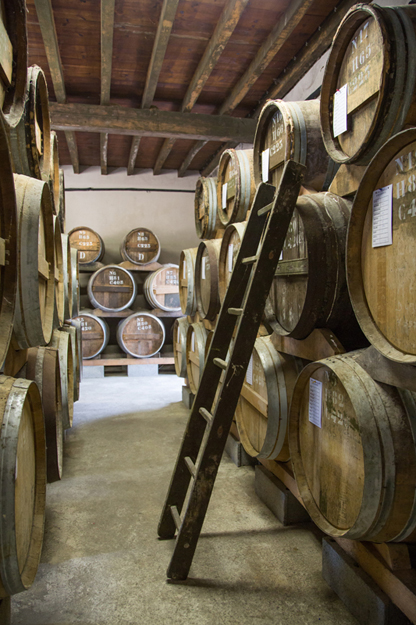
165	150
107	31
190	157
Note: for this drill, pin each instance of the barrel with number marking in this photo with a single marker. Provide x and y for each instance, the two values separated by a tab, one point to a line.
235	185
161	288
141	335
141	247
89	244
95	334
112	288
207	222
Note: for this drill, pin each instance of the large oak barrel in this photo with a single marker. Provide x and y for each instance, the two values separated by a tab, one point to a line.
206	279
352	445
140	246
53	177
195	354
67	273
59	274
112	288
22	483
36	275
235	185
74	293
95	334
161	288
89	244
62	209
262	413
62	342
187	295
76	355
180	331
206	215
43	367
13	59
230	246
373	59
141	335
290	130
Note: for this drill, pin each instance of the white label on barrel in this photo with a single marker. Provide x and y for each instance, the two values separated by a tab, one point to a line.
339	122
230	257
315	402
382	216
204	260
249	372
224	195
193	342
184	269
265	160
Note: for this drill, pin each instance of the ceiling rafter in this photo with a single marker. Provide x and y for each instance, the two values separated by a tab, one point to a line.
107	32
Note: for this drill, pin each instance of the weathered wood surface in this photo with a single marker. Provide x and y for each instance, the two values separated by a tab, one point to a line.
187	294
195	354
321	343
140	246
112	288
95	334
62	207
207	279
59	274
62	342
230	246
347	180
207	222
53	174
121	361
180	331
161	288
89	244
14	60
141	335
73	330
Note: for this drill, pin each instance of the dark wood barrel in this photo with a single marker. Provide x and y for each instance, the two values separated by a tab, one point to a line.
62	342
161	288
230	246
78	327
76	356
207	222
180	331
235	185
53	177
352	445
59	274
43	367
373	53
262	413
74	293
141	335
89	245
62	209
195	354
141	247
206	279
36	265
112	288
95	334
187	295
22	483
290	130
67	272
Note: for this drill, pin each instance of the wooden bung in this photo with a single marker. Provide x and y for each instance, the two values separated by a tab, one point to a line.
207	222
187	295
13	60
180	331
112	288
230	246
161	288
95	334
62	342
235	185
206	279
195	354
89	245
141	335
140	246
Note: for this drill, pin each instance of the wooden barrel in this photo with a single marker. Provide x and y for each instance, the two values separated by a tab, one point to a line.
13	60
206	279
195	354
373	55
161	288
180	331
112	288
262	413
187	295
206	215
141	335
95	334
62	342
22	483
352	445
230	246
77	325
76	357
36	265
235	185
30	139
89	245
67	273
59	275
62	209
43	367
289	130
74	293
53	177
140	246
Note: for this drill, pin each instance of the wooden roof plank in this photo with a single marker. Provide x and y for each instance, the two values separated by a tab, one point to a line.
104	153
134	150
190	157
107	31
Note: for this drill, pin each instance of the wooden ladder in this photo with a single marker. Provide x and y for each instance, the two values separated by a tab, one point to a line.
215	403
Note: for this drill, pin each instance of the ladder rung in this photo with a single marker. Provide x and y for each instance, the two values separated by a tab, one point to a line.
235	311
207	415
265	209
220	363
191	466
176	516
249	260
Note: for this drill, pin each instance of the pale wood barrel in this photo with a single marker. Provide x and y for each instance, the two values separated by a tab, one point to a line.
206	214
230	247
59	275
13	60
290	130
53	177
262	413
22	483
62	209
141	247
112	288
88	243
36	265
207	279
161	288
187	295
76	356
195	354
95	334
235	185
352	445
373	53
74	293
43	367
141	335
67	273
180	331
62	342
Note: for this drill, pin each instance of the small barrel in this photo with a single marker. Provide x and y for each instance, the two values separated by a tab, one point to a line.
195	354
187	295
59	274
74	293
36	264
43	367
206	215
352	446
368	89
62	342
290	130
140	246
89	245
206	279
235	185
95	334
62	209
262	413
161	288
112	288
141	335
14	60
180	331
22	482
230	246
76	357
53	177
67	273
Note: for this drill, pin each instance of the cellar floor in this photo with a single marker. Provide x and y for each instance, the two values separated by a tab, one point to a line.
102	562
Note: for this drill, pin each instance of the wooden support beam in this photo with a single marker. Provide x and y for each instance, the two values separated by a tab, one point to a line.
134	150
190	157
213	163
165	150
73	149
103	153
107	30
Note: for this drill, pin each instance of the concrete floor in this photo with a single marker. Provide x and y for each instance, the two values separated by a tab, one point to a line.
102	562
